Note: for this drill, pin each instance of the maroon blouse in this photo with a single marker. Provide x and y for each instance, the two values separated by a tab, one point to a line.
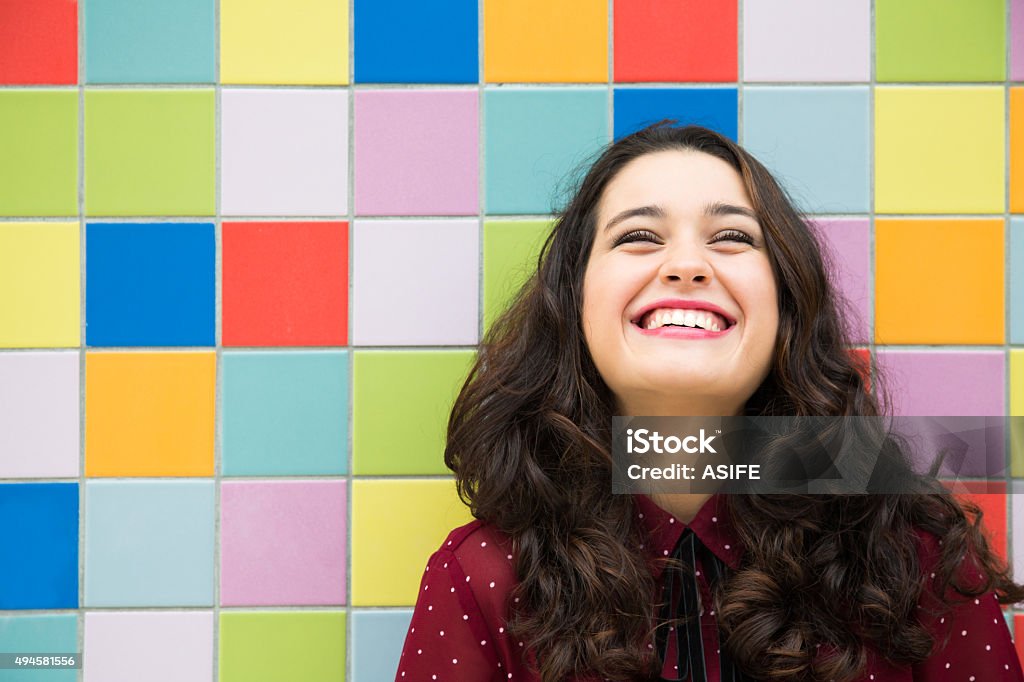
458	633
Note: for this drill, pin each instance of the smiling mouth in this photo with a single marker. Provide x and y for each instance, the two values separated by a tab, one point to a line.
675	317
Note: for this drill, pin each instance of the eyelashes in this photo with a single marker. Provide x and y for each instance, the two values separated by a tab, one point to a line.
730	235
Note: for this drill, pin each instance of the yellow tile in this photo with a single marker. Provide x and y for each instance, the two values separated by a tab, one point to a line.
284	41
939	281
1017	410
40	296
149	414
396	526
546	41
1017	150
940	150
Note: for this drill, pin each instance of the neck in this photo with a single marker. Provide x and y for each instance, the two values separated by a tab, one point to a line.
683	506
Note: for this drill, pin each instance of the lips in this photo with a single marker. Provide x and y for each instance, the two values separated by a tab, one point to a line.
701	314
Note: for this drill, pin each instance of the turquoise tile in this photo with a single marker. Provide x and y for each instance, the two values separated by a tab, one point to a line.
50	633
376	643
285	413
150	41
815	140
1016	280
149	543
533	140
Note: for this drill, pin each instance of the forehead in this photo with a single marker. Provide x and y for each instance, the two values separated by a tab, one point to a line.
676	180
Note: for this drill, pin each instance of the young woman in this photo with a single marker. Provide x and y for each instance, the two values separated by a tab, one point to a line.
681	281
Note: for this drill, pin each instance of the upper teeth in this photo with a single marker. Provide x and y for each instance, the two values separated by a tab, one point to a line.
684	318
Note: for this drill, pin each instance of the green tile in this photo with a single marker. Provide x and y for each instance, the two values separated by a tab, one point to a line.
38	152
401	406
510	257
269	646
924	40
149	152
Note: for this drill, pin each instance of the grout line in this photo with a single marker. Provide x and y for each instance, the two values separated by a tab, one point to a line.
349	454
218	400
873	369
82	331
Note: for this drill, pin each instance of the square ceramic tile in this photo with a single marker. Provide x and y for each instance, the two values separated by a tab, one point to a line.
815	140
135	400
1015	285
416	152
282	543
667	40
284	152
39	43
149	152
914	293
39	165
284	413
534	138
919	40
149	543
546	41
510	259
376	642
39	416
40	290
1017	516
124	646
415	282
44	518
414	42
714	108
267	646
284	284
401	406
917	171
944	383
396	526
57	633
140	41
1017	40
274	42
1017	150
1016	359
806	40
150	284
849	247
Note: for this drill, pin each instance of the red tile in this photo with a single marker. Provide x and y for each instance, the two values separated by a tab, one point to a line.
675	40
38	42
285	284
990	496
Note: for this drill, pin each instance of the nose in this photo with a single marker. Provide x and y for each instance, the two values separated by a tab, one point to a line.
685	263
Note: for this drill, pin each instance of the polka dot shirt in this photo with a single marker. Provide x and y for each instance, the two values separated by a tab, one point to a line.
458	631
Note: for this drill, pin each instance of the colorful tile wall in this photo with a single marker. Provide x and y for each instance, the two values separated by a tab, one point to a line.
248	247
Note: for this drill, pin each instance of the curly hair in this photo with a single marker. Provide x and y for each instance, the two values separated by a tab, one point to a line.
528	439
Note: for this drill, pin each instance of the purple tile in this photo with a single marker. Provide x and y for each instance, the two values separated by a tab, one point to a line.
39	396
283	543
848	242
163	646
941	383
1017	41
415	282
416	152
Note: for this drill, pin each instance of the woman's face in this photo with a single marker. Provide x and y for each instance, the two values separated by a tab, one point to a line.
680	310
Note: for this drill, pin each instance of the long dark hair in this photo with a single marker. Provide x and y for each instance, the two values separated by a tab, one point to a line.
529	437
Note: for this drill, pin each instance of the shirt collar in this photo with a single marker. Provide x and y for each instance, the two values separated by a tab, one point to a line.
711	525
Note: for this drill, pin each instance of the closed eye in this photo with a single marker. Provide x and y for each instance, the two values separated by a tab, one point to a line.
636	236
733	236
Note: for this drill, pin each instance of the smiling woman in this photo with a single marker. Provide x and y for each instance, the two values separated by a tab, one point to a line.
680	280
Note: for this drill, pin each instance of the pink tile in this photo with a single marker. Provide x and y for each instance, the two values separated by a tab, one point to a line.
1017	507
416	152
944	383
165	646
282	543
39	400
1017	40
849	252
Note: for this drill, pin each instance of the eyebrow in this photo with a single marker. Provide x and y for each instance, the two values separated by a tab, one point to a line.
711	210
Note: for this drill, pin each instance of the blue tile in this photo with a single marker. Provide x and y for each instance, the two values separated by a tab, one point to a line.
1016	279
404	41
815	140
39	555
49	633
150	284
534	138
150	41
149	543
714	108
285	413
376	643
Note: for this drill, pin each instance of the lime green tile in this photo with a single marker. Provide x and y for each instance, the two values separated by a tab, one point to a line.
924	40
401	406
510	257
38	152
269	646
150	152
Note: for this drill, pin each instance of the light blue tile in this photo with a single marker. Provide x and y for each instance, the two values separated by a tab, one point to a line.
815	140
1016	279
149	543
534	139
50	633
149	41
285	413
376	643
